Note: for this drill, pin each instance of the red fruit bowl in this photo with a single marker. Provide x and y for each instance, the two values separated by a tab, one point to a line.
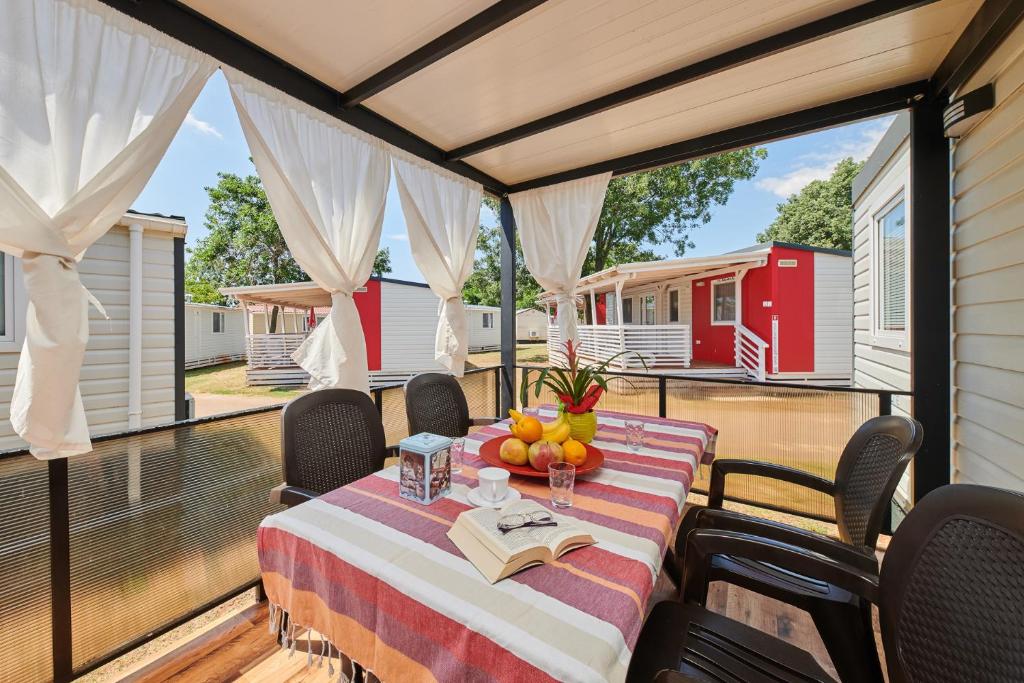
489	453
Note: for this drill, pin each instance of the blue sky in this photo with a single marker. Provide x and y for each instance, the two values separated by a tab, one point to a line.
211	141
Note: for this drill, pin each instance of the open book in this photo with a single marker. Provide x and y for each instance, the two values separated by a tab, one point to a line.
498	554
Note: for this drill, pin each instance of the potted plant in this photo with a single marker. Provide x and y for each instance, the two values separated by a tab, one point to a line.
578	387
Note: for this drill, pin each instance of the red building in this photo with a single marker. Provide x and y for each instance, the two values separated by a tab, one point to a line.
774	311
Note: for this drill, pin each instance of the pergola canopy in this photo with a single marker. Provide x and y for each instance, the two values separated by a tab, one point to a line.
489	82
292	294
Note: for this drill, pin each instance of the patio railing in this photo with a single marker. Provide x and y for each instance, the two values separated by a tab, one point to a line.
657	345
112	548
802	426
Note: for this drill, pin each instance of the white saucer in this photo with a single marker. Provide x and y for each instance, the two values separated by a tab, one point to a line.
476	500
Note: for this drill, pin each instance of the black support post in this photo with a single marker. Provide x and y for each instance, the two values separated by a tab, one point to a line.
929	285
180	404
60	570
508	305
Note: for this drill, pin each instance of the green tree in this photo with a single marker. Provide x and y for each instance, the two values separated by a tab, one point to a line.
484	284
665	206
243	245
819	215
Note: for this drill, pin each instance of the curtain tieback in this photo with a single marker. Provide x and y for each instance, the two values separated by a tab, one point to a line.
70	264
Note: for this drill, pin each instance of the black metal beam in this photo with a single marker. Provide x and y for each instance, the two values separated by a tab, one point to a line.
508	304
787	40
787	125
60	571
991	24
180	404
192	28
494	17
930	275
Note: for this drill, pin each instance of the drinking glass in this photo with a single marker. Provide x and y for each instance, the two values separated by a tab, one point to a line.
562	476
634	435
457	449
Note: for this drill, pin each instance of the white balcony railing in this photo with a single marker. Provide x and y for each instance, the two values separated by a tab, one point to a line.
750	353
273	350
657	345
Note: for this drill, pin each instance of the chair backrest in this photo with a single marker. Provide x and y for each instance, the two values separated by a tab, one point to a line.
435	403
951	589
330	438
868	473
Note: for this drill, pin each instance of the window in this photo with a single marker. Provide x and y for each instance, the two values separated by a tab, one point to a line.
723	302
218	322
627	311
488	321
609	307
649	310
7	305
673	306
4	289
890	281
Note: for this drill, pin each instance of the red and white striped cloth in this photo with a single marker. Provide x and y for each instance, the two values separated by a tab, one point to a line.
379	578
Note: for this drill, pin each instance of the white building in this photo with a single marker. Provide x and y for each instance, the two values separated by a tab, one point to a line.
213	335
531	325
484	327
881	337
131	375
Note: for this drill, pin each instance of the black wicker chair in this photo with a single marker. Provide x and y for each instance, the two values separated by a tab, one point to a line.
329	438
950	598
435	403
867	475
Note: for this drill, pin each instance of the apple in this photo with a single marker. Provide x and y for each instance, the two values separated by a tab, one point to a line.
543	453
514	452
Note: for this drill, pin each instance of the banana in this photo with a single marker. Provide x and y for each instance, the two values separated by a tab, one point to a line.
557	430
515	415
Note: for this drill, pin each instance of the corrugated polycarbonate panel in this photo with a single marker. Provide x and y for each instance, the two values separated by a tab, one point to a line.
802	428
24	571
165	522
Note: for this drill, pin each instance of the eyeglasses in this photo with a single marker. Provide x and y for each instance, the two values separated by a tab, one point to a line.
509	523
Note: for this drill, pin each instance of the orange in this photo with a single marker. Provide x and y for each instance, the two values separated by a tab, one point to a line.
574	452
529	429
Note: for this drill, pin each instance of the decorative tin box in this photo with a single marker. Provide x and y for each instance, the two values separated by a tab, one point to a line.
425	467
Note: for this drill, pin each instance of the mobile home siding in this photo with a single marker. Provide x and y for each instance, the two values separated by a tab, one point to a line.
483	338
877	365
104	380
833	324
531	325
408	319
203	346
988	272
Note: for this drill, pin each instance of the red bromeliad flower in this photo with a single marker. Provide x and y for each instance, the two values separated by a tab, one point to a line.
577	385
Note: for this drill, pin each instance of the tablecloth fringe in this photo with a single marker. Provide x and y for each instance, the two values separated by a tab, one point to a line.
287	631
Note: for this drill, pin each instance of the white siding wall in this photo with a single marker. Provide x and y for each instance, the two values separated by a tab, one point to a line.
481	337
202	344
104	378
531	320
877	365
988	294
408	322
833	314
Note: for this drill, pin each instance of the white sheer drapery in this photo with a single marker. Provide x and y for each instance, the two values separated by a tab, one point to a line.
442	213
89	102
556	225
327	183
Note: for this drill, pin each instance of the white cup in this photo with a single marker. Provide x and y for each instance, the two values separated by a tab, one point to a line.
493	484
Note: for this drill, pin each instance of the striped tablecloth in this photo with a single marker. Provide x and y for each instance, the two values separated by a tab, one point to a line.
377	576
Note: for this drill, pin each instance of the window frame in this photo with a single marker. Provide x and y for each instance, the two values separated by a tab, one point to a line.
892	339
15	305
488	321
627	319
735	296
652	297
674	293
219	315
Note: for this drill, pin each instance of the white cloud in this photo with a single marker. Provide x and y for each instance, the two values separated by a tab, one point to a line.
398	237
204	127
820	164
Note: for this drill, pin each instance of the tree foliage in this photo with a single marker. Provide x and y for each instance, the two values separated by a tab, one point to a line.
484	284
819	215
243	245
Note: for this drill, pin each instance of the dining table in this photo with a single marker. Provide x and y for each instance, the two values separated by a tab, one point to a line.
378	578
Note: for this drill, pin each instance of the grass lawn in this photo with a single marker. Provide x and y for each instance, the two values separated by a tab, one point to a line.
229	379
526	354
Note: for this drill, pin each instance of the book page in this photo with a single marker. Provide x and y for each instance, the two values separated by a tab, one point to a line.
508	545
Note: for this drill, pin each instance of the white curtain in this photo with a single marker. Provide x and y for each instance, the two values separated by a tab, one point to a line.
556	225
442	213
327	183
89	102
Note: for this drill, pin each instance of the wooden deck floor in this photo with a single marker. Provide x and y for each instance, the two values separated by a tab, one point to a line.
241	649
